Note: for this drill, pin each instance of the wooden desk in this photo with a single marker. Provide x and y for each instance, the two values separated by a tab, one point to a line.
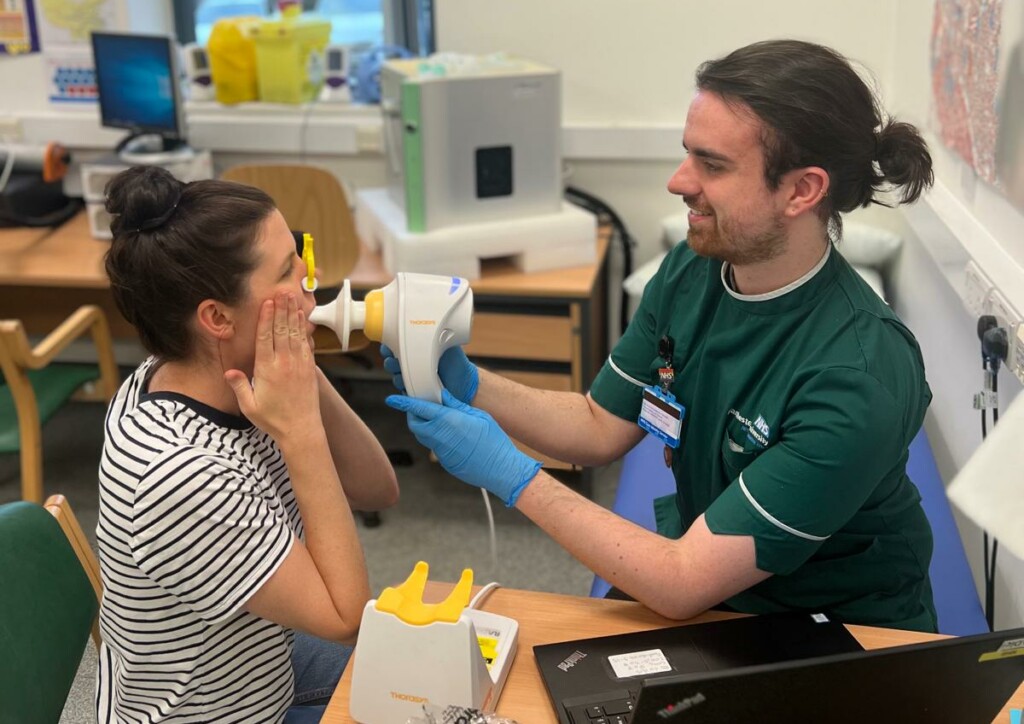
547	329
548	617
49	273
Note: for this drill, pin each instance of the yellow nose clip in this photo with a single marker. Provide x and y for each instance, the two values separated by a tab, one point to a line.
406	600
309	283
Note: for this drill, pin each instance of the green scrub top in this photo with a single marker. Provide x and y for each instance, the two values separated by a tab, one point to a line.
800	408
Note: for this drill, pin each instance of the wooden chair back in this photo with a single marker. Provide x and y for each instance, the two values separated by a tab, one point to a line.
21	363
311	199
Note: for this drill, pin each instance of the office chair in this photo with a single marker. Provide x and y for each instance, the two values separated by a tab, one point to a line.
33	386
48	605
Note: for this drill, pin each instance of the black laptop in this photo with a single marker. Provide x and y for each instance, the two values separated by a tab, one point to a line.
597	680
965	680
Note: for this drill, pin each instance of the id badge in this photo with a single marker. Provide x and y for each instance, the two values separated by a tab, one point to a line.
662	416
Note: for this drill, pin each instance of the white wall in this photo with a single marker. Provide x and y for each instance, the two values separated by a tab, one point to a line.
631	65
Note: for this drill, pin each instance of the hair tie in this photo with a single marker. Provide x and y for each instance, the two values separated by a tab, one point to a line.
160	220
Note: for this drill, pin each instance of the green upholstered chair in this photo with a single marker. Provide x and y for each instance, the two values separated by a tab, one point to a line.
33	386
48	605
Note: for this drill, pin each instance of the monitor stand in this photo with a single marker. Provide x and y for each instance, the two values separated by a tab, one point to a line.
152	149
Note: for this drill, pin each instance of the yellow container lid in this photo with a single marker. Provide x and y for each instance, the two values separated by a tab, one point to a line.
287	28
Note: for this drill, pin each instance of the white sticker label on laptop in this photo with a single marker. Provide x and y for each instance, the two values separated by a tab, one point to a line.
639	663
819	618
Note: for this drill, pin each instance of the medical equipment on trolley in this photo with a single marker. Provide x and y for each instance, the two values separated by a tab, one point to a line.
410	653
418	316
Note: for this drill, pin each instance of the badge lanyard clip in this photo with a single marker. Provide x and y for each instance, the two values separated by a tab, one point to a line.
660	414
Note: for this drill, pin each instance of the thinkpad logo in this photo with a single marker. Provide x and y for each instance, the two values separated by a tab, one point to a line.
574	658
680	706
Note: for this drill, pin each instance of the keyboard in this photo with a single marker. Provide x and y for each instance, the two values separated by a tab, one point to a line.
609	707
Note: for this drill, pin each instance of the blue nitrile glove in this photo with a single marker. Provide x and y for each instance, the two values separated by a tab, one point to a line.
457	373
469	444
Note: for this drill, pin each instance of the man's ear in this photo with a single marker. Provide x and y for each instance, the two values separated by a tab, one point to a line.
807	187
215	320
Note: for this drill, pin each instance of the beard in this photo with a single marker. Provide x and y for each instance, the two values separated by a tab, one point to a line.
738	244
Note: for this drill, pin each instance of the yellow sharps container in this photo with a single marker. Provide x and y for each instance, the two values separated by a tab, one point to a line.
290	56
232	54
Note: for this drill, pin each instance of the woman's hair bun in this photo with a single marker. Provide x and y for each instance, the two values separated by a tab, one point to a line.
139	194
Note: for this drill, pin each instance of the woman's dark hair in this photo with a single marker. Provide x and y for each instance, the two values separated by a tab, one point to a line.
176	244
816	111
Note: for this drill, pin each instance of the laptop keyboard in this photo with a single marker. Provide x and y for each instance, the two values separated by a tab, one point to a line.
613	707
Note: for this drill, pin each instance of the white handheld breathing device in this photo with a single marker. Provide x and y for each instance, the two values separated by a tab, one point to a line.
418	316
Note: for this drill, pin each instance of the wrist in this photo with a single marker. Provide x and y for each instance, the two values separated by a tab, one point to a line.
304	445
527	474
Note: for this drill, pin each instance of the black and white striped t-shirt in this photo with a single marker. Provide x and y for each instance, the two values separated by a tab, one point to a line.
196	513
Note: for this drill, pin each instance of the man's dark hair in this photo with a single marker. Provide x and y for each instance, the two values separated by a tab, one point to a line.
175	245
816	111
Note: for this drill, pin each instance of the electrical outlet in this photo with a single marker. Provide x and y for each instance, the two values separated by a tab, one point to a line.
1015	363
977	288
10	128
368	139
1005	314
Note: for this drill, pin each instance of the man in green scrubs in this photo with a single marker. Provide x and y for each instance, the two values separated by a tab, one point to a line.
799	390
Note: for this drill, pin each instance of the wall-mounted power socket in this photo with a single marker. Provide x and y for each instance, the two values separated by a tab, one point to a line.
10	128
1015	361
1005	314
976	291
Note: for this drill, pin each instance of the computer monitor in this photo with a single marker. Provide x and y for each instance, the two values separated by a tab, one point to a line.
138	83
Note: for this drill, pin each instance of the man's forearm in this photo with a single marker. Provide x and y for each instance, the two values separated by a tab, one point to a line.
675	578
560	424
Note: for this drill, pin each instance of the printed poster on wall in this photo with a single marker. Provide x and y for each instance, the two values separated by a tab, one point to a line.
65	27
18	27
977	64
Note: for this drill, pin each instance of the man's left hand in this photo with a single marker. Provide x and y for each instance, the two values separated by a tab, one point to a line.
469	444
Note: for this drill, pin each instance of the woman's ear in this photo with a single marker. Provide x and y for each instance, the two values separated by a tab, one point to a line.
215	320
809	188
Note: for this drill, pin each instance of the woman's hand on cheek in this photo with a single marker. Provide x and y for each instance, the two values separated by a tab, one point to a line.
282	398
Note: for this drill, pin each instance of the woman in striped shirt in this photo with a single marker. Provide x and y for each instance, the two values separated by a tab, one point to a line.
234	581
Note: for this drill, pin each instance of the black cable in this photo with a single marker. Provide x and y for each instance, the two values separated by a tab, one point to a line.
990	591
598	207
991	349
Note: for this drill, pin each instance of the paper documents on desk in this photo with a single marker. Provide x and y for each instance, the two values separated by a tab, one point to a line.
988	488
433	714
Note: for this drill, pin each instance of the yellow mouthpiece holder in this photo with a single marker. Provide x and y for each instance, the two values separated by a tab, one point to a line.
406	600
309	283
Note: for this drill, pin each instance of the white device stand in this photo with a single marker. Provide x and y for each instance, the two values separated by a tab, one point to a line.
533	243
398	667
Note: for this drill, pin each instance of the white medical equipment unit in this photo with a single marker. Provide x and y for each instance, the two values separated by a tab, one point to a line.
473	148
410	653
418	316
